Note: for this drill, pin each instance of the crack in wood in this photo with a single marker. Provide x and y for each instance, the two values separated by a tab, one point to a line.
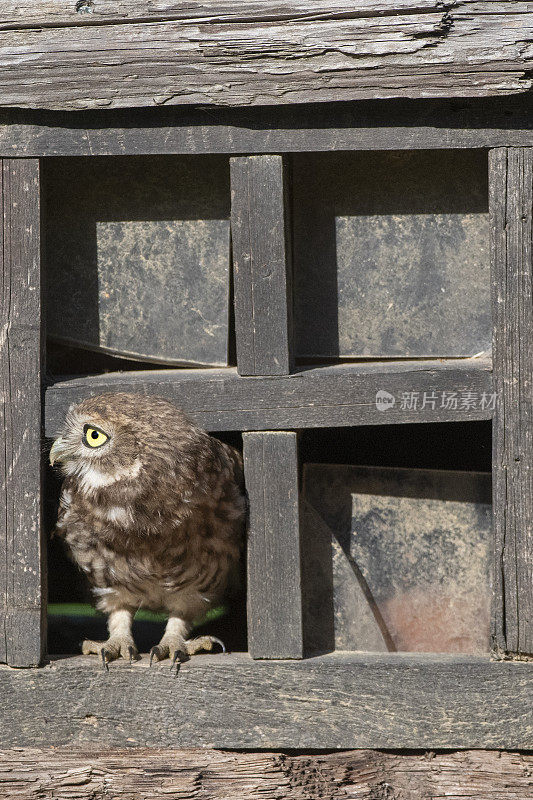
142	774
252	56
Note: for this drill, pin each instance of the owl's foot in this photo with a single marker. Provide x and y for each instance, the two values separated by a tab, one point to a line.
181	649
114	648
203	643
176	647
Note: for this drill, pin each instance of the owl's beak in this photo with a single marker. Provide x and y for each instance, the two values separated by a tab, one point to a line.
58	450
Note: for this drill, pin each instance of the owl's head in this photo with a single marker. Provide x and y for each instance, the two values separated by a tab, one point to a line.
114	437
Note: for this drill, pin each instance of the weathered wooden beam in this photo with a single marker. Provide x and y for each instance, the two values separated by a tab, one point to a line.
363	125
296	54
220	399
511	208
260	232
22	624
342	700
275	628
136	773
20	14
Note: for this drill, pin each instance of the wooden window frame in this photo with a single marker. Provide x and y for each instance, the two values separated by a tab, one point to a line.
274	696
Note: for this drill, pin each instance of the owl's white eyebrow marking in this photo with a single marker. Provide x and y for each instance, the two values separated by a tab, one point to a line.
91	478
101	592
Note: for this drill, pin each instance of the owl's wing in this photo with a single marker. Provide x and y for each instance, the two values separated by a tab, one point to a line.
236	461
65	500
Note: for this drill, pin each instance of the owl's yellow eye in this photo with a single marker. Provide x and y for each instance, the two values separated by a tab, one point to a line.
93	437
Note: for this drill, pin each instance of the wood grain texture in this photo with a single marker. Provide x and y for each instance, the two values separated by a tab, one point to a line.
274	572
336	701
22	627
266	55
149	774
262	267
511	201
362	125
20	14
220	399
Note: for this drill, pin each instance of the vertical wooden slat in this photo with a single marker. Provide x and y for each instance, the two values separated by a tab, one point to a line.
21	547
511	209
262	265
274	571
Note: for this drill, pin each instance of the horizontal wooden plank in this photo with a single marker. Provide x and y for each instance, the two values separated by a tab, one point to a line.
296	54
220	399
20	14
364	125
342	700
139	773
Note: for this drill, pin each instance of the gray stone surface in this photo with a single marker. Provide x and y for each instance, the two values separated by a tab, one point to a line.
391	254
138	256
410	554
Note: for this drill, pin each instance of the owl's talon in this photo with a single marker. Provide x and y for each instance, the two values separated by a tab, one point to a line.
134	656
177	660
215	640
155	652
104	654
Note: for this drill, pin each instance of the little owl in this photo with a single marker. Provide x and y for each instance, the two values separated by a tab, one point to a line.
153	511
